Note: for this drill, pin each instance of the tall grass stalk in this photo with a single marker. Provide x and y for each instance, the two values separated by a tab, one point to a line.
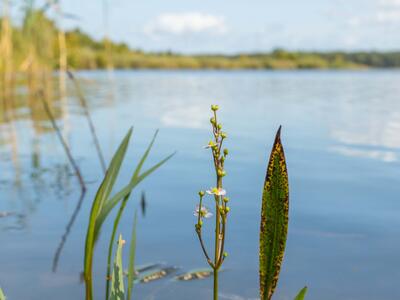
85	107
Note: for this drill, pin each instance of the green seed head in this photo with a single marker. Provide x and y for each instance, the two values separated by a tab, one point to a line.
227	209
226	199
201	193
226	152
212	120
224	135
225	254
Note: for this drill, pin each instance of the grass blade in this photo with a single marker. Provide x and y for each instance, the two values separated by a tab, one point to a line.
111	243
117	281
274	220
132	254
125	192
301	294
2	297
102	195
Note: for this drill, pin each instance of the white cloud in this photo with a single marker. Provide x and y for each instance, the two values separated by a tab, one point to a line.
391	16
186	23
389	2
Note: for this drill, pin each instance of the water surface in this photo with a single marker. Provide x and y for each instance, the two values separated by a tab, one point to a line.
341	135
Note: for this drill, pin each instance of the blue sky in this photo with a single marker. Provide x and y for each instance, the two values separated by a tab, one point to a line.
242	26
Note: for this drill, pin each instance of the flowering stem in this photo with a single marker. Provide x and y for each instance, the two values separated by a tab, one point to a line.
221	209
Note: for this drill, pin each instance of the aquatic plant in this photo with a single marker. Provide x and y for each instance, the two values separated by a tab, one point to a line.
117	279
221	201
2	297
301	294
104	203
274	221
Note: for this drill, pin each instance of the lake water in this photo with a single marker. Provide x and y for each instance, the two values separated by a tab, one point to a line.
341	132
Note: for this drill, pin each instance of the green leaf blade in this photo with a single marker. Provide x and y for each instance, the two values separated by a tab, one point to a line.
302	294
101	196
274	220
2	296
117	280
132	254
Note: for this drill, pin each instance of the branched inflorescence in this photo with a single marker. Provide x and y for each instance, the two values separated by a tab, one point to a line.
221	201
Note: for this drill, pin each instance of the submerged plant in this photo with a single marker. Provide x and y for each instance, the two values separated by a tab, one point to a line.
221	201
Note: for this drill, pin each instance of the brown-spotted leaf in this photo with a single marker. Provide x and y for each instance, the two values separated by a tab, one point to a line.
274	220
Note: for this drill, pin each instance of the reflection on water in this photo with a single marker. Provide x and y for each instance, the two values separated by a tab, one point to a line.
340	130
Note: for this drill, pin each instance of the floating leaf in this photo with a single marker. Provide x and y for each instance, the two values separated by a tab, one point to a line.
274	220
195	275
156	274
301	294
117	279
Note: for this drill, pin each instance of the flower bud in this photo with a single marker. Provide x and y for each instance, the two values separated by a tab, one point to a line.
225	254
224	135
219	126
221	173
226	152
212	120
214	107
202	193
226	199
227	209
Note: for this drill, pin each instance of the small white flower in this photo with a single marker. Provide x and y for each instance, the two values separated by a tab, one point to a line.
216	191
204	212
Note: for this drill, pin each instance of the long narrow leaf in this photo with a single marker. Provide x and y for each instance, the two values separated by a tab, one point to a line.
102	194
274	220
135	180
145	155
111	243
117	281
301	294
132	254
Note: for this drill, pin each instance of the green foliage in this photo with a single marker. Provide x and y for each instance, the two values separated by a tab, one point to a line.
100	198
117	280
124	194
301	295
103	204
132	254
35	41
2	297
274	220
